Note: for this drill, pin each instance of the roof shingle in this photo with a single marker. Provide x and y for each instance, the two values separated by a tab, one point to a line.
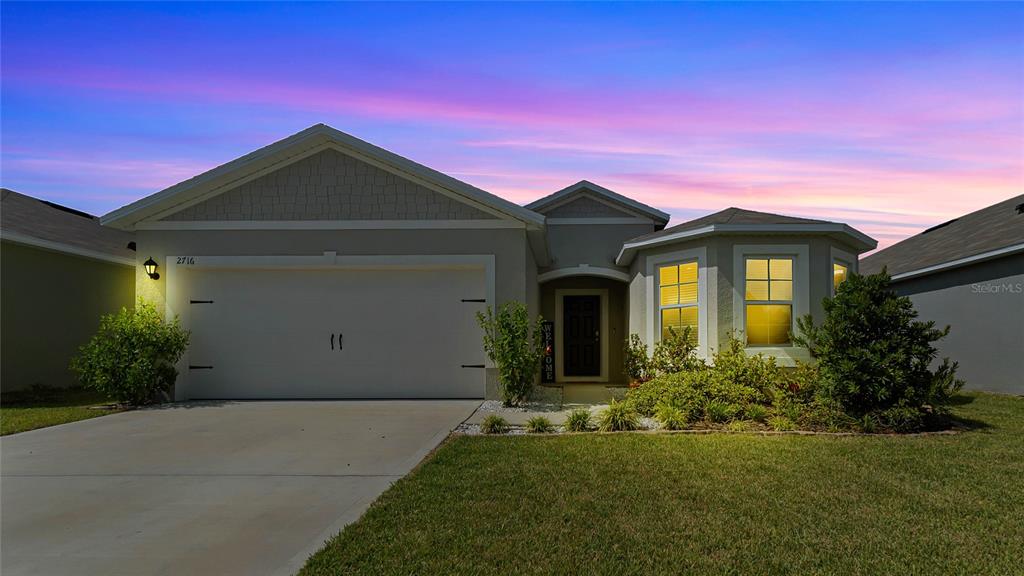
988	229
28	216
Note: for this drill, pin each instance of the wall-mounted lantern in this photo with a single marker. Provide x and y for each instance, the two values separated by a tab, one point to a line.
150	266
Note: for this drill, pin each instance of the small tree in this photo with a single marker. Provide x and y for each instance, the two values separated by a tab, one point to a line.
514	344
872	354
132	356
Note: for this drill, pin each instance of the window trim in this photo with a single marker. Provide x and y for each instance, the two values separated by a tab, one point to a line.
660	307
801	303
652	298
792	294
842	257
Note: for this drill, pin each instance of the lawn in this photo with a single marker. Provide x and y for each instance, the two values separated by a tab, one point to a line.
31	409
632	503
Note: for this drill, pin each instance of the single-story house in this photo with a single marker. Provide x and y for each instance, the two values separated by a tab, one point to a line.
60	270
322	266
968	274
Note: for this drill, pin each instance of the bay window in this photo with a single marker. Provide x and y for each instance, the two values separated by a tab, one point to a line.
769	300
677	298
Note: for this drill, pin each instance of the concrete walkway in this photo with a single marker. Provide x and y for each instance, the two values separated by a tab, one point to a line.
243	488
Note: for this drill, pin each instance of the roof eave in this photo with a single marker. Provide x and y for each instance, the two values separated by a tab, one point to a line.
860	240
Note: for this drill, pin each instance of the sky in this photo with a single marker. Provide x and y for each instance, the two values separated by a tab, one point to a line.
889	117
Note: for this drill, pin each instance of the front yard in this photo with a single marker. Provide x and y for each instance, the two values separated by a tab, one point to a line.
704	504
30	409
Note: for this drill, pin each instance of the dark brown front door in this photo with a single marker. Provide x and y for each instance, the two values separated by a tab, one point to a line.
581	336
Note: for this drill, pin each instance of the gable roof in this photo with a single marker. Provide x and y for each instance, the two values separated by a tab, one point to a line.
987	233
737	221
286	151
584	186
33	222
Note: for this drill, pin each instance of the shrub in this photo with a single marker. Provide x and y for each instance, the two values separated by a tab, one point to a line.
539	425
493	424
739	426
131	358
781	423
636	364
618	416
756	412
745	378
676	352
683	390
514	344
872	353
578	420
901	419
670	417
718	411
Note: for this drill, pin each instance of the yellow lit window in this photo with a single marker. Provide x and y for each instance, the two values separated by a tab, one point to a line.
677	298
839	274
769	300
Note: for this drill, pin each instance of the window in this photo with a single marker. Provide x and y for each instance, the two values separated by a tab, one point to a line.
769	300
839	273
677	298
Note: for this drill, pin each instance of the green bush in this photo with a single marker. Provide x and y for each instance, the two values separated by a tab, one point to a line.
756	412
718	411
781	423
901	419
636	365
539	425
677	352
514	344
740	426
578	421
670	417
683	390
618	416
493	424
873	355
131	358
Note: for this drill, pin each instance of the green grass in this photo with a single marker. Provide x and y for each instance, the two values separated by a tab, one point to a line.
704	504
31	409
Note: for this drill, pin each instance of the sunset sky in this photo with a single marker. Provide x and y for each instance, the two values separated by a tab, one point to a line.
890	117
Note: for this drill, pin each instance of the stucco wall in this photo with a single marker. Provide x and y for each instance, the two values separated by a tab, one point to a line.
617	314
329	185
984	306
593	244
51	305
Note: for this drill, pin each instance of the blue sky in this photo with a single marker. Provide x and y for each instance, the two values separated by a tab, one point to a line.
889	116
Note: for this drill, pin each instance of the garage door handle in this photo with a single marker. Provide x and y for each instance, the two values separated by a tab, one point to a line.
340	336
473	366
332	341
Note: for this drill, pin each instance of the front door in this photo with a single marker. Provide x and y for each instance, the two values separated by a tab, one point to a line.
581	335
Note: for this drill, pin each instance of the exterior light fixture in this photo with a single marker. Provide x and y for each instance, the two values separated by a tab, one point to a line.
150	266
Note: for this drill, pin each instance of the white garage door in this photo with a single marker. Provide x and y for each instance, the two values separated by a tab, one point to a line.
335	334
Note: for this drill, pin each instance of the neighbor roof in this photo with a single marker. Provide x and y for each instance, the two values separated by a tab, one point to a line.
584	185
225	176
988	233
34	222
736	221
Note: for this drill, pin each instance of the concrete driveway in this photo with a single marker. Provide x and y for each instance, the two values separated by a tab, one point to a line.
214	488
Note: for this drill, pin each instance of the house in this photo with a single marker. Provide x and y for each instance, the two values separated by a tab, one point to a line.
60	271
968	274
322	266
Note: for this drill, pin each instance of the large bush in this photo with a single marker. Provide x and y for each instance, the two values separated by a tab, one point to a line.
514	344
873	355
676	352
131	358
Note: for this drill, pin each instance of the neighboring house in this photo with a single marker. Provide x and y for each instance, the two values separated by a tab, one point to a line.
60	271
322	266
968	274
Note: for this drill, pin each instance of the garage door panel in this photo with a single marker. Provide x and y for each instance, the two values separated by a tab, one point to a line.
396	334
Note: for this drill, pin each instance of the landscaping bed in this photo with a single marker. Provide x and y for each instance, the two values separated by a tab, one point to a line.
705	504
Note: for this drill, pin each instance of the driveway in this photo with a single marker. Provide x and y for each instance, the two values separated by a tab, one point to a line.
212	488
